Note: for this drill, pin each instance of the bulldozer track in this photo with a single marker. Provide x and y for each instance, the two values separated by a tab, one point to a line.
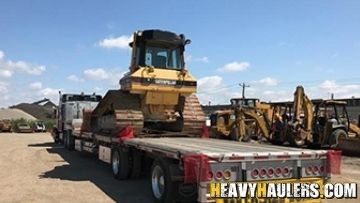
117	110
193	115
120	109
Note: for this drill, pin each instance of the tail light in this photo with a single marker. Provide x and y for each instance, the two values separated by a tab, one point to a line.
278	171
285	171
218	175
210	175
322	169
227	174
315	169
255	173
263	172
270	172
309	170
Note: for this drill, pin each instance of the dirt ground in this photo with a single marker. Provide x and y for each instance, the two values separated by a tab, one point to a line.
33	169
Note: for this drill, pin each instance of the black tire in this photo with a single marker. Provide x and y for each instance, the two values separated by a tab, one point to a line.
335	136
136	164
163	189
71	145
120	163
65	139
234	134
295	141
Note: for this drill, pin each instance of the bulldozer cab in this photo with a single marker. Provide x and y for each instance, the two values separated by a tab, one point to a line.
158	49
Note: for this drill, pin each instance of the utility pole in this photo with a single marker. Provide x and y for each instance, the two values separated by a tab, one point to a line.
243	85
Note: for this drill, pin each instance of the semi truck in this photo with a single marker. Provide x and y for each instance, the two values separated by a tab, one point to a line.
155	120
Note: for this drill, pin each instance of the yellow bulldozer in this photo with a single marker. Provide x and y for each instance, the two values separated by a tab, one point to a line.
157	94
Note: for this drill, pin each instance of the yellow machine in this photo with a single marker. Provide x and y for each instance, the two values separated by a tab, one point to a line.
321	123
246	118
157	94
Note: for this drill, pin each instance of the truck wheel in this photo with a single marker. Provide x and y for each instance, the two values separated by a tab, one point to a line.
163	189
336	135
65	139
136	164
120	164
71	139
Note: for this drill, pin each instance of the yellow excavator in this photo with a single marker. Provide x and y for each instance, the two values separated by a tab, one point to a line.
157	94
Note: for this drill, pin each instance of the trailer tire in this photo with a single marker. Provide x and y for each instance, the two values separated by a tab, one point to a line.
163	189
120	163
136	164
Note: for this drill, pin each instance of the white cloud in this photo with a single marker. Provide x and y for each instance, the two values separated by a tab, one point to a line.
234	67
96	74
5	73
121	42
8	67
50	93
268	81
111	75
36	86
340	91
3	88
203	59
75	78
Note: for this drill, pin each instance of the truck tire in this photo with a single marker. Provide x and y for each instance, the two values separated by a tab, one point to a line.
136	164
335	136
163	189
65	139
71	140
120	163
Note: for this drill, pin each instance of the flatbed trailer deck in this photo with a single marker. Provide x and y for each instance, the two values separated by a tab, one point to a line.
184	162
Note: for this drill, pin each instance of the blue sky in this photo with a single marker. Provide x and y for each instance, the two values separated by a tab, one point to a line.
272	45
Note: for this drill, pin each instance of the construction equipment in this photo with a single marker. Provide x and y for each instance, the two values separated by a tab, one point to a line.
320	124
5	125
247	117
157	92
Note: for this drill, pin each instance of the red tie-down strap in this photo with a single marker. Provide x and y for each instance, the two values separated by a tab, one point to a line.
126	133
196	168
334	161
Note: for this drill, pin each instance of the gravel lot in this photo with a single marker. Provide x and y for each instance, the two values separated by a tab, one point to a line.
33	169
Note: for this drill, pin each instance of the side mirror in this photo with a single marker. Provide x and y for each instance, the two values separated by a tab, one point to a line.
187	42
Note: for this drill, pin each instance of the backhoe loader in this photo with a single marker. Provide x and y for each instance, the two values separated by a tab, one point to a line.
319	124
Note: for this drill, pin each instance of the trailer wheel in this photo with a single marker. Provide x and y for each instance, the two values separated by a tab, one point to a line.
163	189
120	164
336	135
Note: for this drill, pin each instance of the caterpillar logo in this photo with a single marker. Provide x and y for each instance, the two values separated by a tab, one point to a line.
294	190
165	82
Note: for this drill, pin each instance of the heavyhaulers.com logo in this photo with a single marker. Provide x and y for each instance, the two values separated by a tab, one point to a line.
282	190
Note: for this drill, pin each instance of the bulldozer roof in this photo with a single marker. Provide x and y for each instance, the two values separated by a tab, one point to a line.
159	36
